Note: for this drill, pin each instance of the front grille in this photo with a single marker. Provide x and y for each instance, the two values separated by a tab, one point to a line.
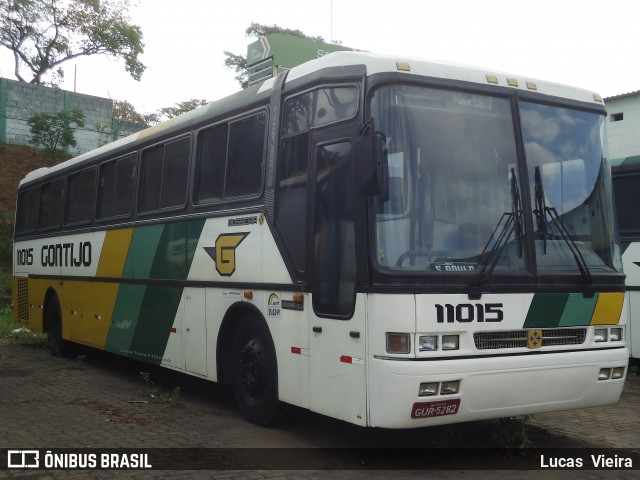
519	338
23	299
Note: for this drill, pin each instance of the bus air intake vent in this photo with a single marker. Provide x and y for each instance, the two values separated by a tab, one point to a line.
519	338
23	299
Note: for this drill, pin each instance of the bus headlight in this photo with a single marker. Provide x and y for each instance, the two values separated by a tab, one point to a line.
428	389
604	374
450	388
615	335
617	372
428	343
398	343
600	335
450	342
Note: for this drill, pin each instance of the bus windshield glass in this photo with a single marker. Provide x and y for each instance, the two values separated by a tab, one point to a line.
570	187
455	202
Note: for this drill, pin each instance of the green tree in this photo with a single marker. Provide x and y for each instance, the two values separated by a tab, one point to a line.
43	34
55	131
126	112
180	108
238	63
6	251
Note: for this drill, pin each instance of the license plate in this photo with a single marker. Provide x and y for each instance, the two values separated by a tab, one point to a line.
435	409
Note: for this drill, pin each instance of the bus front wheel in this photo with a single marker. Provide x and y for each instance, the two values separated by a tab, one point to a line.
255	372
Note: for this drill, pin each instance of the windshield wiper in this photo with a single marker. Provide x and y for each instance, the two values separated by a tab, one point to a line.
508	223
541	211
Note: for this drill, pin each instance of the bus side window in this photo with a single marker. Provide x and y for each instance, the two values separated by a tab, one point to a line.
27	217
80	192
165	171
245	157
175	173
626	190
211	162
116	188
291	214
51	205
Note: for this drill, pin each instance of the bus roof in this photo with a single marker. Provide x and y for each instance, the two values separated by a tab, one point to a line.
373	63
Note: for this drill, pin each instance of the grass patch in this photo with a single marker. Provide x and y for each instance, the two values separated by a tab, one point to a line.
168	399
17	333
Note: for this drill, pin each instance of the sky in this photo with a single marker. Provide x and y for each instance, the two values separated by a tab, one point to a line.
584	43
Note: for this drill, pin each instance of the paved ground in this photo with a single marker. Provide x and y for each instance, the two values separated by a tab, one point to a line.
99	401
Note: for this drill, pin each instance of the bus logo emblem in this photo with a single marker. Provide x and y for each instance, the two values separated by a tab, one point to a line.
534	339
224	252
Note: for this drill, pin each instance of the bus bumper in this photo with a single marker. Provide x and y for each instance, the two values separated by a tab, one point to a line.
492	387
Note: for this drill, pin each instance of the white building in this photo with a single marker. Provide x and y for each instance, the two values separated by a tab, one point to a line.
623	126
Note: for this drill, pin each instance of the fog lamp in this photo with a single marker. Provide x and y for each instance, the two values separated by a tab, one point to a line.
615	335
600	335
450	388
398	343
450	342
428	343
605	374
617	372
428	389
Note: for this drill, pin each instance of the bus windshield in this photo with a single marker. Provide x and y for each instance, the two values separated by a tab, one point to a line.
455	198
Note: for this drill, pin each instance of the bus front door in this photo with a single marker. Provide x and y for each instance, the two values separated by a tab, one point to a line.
337	326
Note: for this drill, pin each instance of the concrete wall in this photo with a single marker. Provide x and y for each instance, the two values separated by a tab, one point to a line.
19	100
623	135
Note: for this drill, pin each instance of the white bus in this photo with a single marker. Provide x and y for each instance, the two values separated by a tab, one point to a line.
385	241
626	188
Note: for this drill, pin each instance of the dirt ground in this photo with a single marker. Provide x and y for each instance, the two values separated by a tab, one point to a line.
97	401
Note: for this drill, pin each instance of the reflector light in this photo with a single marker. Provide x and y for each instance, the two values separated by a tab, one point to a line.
600	335
398	343
428	343
615	335
450	388
605	374
450	342
617	372
428	389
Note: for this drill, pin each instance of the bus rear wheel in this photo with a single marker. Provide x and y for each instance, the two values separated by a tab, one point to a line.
53	322
255	372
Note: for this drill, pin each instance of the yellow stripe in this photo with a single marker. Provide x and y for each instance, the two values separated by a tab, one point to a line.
114	253
608	309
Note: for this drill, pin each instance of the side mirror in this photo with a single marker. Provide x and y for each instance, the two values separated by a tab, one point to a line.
371	164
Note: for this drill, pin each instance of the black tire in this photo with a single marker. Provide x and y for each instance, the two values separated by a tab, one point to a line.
53	322
254	372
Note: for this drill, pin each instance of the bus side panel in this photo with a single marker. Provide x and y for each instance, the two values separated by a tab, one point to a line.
630	256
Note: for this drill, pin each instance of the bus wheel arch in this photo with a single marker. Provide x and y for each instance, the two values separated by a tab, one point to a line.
52	324
249	364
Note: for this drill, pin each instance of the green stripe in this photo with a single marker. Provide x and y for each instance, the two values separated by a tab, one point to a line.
142	251
153	328
546	310
125	318
143	315
578	311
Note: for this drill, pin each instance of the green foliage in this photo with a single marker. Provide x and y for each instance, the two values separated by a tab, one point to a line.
18	334
6	251
511	433
6	323
124	111
43	34
170	399
238	63
257	30
181	107
55	131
